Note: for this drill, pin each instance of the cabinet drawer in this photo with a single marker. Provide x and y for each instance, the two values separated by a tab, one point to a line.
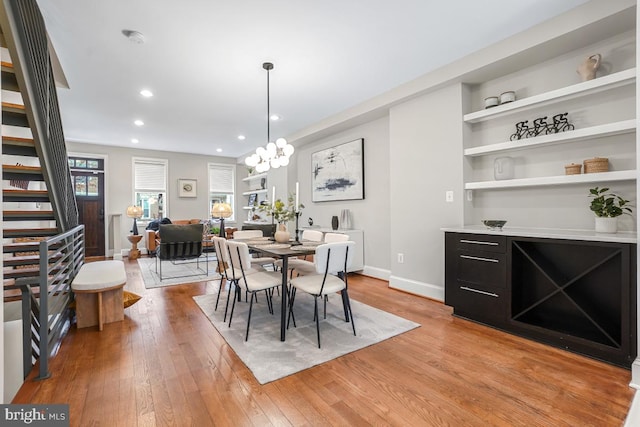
481	269
477	304
480	242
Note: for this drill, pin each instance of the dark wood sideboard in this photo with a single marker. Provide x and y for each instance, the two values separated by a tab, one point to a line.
573	294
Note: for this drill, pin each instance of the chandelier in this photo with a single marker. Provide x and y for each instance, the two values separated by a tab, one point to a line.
275	154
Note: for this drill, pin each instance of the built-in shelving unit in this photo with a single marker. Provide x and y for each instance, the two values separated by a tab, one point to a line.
247	193
256	176
611	81
600	131
627	175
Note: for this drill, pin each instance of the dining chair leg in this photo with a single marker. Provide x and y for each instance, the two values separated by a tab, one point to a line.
326	298
348	302
226	308
219	290
345	304
317	318
233	306
291	316
246	337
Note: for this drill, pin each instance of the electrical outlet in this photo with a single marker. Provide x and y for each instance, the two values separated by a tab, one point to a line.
469	195
448	196
400	258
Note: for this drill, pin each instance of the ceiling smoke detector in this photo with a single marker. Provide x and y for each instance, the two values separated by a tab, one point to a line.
134	36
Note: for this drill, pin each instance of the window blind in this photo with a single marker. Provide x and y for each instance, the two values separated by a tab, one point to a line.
150	175
221	178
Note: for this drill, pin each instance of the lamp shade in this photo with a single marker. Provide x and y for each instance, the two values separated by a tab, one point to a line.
134	211
221	210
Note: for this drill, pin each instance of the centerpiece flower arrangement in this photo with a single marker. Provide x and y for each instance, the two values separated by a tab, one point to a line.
282	214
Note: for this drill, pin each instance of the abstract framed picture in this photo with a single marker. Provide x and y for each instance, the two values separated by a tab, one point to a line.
187	188
337	173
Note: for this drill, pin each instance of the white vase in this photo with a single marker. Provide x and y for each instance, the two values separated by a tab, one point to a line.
606	224
282	235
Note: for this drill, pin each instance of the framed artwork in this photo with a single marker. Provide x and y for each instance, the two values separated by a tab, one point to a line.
187	188
337	173
253	197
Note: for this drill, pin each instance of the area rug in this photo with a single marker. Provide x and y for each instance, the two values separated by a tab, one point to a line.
176	273
270	359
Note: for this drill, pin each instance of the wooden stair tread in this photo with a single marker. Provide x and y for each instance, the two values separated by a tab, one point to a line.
44	231
27	259
14	140
12	106
25	192
21	168
7	65
30	213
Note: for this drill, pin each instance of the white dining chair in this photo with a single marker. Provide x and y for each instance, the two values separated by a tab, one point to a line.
255	260
266	281
332	261
225	269
313	236
335	237
304	267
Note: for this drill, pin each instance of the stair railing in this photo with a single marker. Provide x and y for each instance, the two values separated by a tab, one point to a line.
49	316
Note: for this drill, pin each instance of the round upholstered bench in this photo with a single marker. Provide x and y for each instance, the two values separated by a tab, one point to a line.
98	292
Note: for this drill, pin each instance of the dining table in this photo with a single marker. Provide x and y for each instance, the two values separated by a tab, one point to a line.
282	251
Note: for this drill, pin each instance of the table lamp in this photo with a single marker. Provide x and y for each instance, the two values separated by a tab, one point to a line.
134	212
221	211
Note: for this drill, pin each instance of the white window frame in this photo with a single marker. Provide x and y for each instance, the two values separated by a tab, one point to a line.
155	161
216	191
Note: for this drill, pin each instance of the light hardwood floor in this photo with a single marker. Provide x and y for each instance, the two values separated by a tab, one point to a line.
165	364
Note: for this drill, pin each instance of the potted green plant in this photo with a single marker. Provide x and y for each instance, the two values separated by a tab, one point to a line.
608	207
281	214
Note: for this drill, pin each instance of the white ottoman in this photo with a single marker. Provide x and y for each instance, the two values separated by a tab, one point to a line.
98	291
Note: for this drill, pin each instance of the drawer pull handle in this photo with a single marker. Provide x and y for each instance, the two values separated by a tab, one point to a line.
479	242
490	294
477	258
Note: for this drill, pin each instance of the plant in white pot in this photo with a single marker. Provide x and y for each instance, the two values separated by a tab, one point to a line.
607	207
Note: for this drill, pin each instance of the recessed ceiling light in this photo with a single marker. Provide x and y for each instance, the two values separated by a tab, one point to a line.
138	122
146	93
134	141
275	117
242	137
219	150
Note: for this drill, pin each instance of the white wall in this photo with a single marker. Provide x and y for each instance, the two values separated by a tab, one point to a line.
119	182
425	162
370	214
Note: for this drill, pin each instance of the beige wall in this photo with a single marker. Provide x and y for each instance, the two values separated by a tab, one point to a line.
119	182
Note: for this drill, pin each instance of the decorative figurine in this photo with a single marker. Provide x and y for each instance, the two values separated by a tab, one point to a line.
589	66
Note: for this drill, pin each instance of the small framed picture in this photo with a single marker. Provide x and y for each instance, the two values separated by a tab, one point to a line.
187	188
252	199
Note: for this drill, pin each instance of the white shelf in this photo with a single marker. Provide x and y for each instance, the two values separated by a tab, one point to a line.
627	175
256	176
611	81
248	208
609	129
247	193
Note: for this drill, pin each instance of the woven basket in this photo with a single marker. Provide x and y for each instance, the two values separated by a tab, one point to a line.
597	164
573	169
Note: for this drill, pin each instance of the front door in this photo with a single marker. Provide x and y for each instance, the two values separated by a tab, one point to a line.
88	179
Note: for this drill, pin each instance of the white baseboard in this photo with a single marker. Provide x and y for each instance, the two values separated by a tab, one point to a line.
419	288
633	416
378	273
635	374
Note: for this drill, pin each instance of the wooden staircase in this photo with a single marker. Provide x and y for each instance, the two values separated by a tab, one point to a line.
27	216
42	243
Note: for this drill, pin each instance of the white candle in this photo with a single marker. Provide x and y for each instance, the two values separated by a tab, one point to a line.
273	197
297	190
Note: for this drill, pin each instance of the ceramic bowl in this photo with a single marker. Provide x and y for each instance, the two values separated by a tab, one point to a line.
494	223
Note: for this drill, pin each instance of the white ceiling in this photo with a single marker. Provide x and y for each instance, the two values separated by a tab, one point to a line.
203	61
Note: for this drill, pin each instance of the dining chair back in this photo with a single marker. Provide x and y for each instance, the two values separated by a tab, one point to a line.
332	261
240	260
335	237
247	234
312	235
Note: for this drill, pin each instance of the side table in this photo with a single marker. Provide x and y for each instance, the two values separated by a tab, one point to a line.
134	253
